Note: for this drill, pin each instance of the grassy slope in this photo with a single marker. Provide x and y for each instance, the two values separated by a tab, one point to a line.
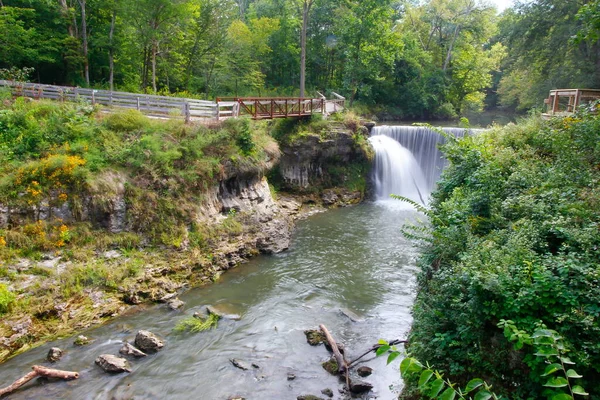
53	153
515	236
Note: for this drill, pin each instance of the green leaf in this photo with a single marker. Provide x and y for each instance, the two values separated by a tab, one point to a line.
383	349
542	333
579	390
552	368
410	365
566	360
436	388
557	382
382	341
393	356
482	395
425	377
473	384
572	374
546	352
562	396
449	394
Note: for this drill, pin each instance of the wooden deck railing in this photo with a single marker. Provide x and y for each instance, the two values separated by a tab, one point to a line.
164	106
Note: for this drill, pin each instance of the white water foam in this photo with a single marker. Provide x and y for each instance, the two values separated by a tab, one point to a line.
397	171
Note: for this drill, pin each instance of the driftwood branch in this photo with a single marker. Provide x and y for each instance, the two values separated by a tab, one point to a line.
334	348
39	371
375	348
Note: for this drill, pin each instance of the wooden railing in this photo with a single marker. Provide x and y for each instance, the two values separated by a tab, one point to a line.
148	104
173	107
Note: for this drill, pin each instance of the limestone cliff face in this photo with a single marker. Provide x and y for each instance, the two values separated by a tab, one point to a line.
315	162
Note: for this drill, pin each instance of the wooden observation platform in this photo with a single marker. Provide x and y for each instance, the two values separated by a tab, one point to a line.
564	102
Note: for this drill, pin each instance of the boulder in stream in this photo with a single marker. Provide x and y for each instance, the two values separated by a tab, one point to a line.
129	350
360	386
364	371
327	392
148	342
54	354
175	304
351	315
82	340
113	364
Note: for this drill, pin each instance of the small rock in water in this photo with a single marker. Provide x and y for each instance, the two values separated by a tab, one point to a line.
129	350
364	371
175	304
255	365
148	342
110	363
309	397
331	366
290	376
315	337
222	314
82	340
54	354
327	392
360	386
239	364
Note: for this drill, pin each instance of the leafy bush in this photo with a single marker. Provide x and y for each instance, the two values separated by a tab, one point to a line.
514	236
6	299
126	121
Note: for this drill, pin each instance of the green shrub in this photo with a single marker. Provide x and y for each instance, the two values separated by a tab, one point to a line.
126	121
514	236
7	298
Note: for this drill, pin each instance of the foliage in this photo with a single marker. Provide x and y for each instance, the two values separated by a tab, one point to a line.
513	237
6	299
195	324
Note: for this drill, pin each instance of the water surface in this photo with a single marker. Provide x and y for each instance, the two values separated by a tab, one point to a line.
353	259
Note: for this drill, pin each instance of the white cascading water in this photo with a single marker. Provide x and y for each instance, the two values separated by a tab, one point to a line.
407	160
397	171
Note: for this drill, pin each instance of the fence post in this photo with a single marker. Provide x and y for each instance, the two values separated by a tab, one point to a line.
218	111
110	98
138	102
186	111
93	97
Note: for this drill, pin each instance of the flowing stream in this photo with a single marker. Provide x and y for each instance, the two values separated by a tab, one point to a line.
349	269
351	259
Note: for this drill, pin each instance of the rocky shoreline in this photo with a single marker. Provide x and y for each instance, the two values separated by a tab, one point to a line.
264	225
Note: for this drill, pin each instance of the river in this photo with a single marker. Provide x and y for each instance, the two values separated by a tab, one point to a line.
351	259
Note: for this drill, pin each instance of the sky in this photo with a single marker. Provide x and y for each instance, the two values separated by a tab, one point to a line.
502	4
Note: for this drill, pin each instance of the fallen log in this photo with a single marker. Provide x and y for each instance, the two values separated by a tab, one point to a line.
38	370
342	367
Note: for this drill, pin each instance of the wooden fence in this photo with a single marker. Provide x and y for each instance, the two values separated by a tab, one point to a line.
149	104
173	107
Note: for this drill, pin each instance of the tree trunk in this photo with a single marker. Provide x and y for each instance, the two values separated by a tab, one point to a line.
84	38
305	11
111	51
449	54
154	55
65	12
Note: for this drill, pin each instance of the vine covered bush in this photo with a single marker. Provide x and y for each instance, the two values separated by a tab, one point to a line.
514	236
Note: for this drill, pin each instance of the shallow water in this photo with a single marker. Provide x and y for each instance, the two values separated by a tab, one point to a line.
353	259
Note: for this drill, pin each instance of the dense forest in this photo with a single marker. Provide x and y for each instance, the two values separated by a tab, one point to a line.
406	59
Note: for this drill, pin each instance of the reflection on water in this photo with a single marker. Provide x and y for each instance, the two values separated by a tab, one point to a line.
352	259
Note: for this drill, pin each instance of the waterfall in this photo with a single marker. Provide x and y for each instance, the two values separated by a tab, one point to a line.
407	160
